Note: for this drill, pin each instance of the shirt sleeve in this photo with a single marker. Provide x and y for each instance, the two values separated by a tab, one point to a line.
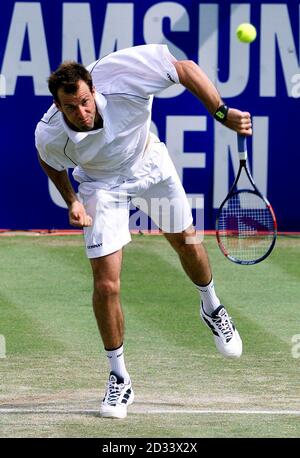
42	151
141	70
50	161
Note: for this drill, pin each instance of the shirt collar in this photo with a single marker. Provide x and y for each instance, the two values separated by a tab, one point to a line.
77	137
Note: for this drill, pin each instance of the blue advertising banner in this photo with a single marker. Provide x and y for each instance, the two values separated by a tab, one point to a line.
263	78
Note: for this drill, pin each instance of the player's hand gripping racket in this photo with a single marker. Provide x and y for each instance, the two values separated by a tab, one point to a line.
246	225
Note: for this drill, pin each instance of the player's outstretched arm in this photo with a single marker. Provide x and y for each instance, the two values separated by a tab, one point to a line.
195	80
77	213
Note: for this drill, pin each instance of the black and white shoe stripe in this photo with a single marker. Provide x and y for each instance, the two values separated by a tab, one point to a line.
117	397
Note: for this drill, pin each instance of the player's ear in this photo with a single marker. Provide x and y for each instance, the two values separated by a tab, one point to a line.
56	103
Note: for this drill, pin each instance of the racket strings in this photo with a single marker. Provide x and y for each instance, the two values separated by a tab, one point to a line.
246	226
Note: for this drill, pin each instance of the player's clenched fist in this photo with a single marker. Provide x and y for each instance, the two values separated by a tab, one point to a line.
78	216
239	121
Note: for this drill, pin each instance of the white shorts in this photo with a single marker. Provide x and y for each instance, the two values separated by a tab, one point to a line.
155	189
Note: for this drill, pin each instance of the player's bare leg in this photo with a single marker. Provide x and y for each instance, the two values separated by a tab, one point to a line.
192	255
106	298
110	320
195	262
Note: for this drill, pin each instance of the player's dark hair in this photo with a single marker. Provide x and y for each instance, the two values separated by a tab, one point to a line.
67	76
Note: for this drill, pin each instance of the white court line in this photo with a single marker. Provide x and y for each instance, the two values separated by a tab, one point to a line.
154	412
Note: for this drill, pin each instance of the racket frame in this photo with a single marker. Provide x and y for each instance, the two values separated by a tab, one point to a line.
242	149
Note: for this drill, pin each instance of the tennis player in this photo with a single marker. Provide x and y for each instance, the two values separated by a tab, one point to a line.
99	126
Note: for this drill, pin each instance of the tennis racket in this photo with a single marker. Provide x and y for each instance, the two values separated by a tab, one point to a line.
246	225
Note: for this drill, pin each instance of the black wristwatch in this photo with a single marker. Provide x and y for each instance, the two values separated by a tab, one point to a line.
221	113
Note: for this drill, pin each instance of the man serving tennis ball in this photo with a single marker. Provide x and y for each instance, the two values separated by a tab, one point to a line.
99	125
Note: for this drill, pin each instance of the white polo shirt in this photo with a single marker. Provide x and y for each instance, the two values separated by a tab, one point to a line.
125	83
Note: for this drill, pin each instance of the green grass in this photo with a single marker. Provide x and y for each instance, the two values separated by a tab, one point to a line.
55	358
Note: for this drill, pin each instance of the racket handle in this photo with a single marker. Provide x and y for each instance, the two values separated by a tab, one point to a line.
242	146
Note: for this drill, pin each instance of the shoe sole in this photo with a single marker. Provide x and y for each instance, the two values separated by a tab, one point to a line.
113	415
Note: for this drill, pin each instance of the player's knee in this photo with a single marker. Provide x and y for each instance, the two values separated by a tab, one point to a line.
186	242
188	249
106	288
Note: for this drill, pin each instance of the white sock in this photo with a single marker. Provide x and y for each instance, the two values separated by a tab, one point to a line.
117	363
209	298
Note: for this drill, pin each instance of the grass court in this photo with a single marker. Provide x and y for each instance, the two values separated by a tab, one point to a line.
55	370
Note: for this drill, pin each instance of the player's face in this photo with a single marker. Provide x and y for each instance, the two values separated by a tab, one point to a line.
79	109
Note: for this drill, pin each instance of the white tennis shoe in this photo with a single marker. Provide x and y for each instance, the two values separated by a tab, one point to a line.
227	338
117	397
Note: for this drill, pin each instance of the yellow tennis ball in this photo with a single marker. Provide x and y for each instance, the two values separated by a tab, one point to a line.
246	33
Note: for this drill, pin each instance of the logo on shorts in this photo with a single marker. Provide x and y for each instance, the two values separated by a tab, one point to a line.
90	247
